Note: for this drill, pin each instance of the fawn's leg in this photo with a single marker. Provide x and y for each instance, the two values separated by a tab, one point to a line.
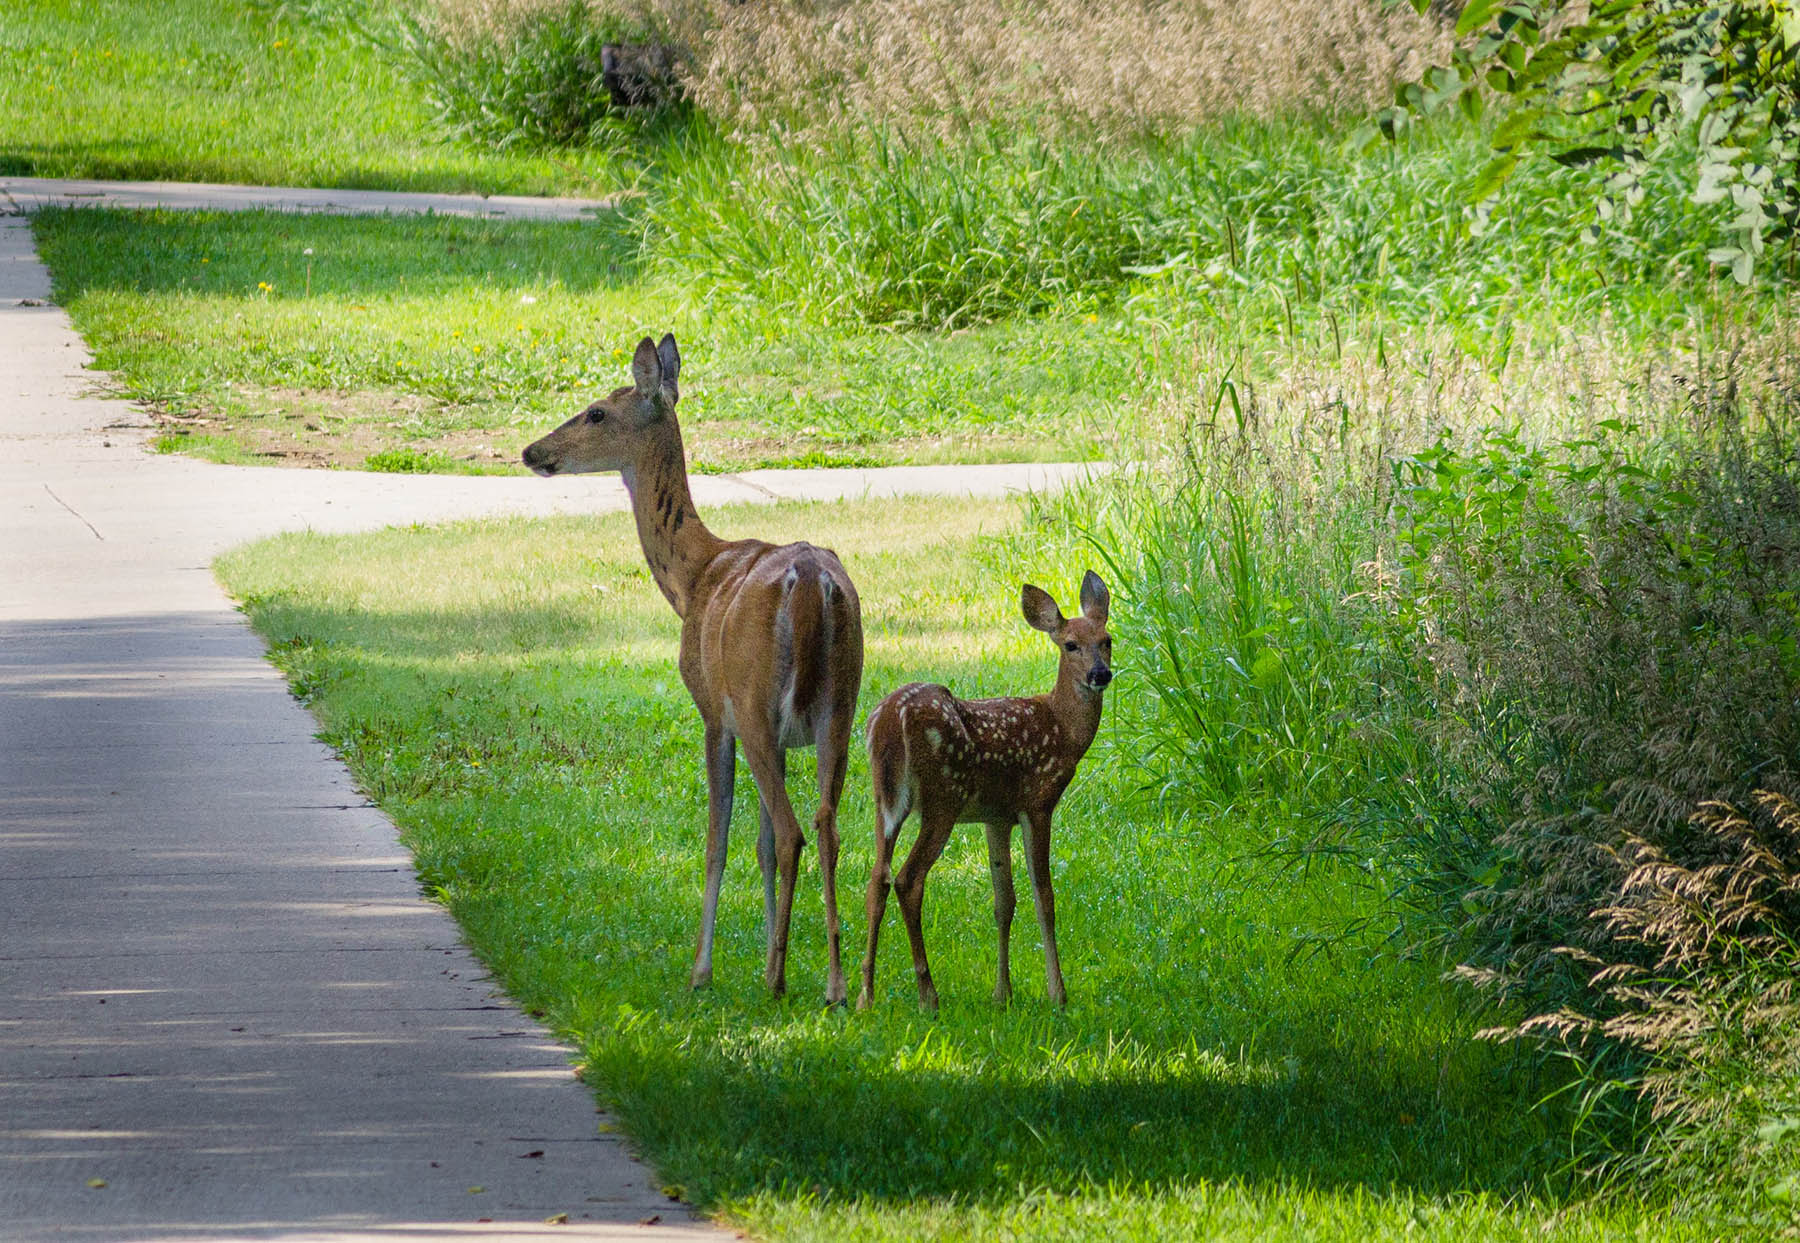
935	824
1037	858
887	833
999	840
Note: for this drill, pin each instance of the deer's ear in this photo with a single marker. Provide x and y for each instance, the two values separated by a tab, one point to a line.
1095	599
647	369
670	358
1040	610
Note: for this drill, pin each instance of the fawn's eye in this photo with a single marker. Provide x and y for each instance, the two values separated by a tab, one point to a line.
1070	646
596	415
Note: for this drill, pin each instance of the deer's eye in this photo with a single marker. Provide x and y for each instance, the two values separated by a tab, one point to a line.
596	415
1070	646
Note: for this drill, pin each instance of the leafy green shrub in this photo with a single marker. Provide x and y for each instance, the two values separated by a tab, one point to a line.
1614	81
1606	643
535	81
1610	642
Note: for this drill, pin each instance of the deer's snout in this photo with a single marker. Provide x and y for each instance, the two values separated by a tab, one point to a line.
541	459
1099	676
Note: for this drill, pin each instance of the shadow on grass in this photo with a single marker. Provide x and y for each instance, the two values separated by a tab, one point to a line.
839	1116
125	159
91	250
557	806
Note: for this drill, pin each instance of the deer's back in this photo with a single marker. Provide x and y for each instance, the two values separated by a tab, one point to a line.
776	629
990	758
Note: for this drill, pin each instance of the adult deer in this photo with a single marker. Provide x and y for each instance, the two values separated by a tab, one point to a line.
997	762
771	645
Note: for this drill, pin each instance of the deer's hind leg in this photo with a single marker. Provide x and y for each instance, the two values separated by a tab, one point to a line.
833	755
888	820
765	853
768	764
936	821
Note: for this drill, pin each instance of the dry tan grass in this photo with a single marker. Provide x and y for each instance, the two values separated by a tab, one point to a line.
1130	67
1142	65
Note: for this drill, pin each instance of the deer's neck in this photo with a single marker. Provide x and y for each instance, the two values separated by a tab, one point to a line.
1077	710
676	543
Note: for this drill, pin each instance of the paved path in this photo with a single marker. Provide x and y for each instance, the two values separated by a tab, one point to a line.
220	993
30	193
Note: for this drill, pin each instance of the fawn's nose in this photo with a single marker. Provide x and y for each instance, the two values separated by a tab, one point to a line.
1099	676
539	458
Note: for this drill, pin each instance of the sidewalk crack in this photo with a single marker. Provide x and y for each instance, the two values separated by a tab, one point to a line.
90	526
751	483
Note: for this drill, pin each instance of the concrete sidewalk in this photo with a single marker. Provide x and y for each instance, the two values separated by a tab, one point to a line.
28	194
221	995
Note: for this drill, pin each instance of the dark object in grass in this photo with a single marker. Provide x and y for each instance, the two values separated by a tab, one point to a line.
771	645
995	762
640	75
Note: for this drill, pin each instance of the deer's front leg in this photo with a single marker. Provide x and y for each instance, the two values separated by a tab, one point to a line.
999	840
1037	859
768	764
721	781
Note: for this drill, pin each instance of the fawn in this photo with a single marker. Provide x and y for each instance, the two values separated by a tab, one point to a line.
993	761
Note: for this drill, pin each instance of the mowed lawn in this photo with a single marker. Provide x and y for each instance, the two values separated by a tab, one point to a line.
247	93
444	343
507	691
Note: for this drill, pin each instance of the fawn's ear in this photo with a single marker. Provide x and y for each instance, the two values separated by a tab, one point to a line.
670	358
647	369
1095	599
1040	610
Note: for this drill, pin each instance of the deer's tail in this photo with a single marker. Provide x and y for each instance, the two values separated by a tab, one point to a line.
890	765
817	612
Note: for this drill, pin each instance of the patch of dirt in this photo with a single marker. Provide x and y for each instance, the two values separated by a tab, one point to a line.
322	429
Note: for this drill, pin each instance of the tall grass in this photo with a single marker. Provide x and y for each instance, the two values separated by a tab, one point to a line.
1498	670
1244	222
1237	591
927	66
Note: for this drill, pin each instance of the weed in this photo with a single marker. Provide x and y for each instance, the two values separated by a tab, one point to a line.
406	462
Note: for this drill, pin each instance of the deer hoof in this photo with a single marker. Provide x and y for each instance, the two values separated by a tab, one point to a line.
701	978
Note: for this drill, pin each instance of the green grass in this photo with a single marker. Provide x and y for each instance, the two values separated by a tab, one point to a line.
210	90
469	337
1060	305
507	690
1253	226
